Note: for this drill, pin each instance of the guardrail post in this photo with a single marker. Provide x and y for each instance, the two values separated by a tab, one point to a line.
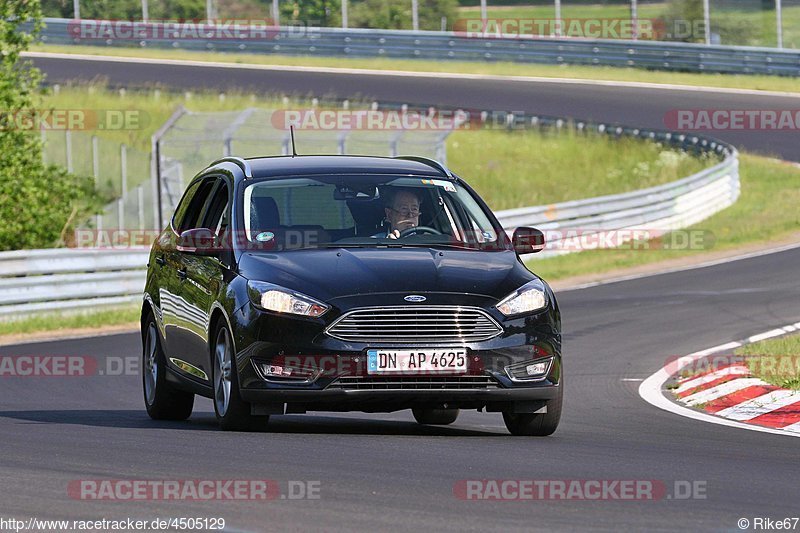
779	22
95	159
68	149
415	15
275	14
123	166
707	20
558	18
140	205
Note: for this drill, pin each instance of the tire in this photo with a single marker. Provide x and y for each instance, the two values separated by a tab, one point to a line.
435	417
233	413
536	425
162	400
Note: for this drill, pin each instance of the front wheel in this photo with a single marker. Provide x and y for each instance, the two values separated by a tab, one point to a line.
435	417
536	424
233	413
162	400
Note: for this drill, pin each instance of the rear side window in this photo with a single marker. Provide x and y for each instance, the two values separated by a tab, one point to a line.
189	211
216	218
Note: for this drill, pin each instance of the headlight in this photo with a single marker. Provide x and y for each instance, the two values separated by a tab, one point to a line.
528	298
281	300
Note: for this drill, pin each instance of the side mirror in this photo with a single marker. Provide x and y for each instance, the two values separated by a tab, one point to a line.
528	240
198	241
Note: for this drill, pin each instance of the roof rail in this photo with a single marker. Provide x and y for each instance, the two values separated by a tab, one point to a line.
428	161
240	162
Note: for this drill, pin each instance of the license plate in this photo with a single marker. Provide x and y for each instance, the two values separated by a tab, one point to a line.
432	361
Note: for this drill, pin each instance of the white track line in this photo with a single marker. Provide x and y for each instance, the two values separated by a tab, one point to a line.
762	405
651	391
794	428
724	389
407	73
706	264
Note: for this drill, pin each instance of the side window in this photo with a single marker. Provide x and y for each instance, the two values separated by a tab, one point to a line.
183	205
195	207
216	217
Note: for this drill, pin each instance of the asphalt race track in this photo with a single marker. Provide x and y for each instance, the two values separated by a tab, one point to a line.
381	472
642	107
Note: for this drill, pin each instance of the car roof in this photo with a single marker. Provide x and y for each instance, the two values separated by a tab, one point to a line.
283	166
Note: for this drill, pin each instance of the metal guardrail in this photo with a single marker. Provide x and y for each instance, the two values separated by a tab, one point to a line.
456	46
653	211
33	281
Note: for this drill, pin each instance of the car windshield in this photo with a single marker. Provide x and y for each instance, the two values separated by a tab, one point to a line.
365	211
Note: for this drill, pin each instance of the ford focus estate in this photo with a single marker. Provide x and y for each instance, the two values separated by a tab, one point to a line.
340	283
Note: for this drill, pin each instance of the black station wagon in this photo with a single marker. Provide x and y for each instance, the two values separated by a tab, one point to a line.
341	283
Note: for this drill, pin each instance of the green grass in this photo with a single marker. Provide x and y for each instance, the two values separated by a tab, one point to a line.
524	168
775	361
765	83
766	210
750	27
154	108
70	321
509	169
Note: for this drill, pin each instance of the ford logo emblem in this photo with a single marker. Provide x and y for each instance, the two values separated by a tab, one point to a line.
414	298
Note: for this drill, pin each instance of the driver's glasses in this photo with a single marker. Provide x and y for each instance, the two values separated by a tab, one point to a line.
407	211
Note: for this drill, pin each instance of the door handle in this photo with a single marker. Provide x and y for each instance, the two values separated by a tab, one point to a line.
160	260
182	273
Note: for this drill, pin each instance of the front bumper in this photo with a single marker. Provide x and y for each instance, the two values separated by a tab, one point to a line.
343	383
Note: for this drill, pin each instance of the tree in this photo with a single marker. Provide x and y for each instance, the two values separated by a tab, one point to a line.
38	203
325	13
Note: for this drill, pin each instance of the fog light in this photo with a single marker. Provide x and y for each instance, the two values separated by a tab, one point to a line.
535	370
273	372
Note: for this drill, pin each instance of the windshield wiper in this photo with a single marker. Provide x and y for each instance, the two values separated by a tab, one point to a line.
431	245
344	245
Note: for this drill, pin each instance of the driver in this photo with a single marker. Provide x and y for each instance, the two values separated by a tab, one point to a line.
402	212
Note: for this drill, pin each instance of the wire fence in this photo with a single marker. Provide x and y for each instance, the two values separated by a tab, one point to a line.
732	22
146	187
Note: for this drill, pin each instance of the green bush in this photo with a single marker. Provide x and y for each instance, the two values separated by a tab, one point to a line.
325	13
127	9
39	204
396	14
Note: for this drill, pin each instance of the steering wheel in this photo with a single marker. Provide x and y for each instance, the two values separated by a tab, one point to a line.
419	229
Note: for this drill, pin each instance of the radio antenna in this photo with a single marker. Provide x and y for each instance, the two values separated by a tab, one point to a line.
291	132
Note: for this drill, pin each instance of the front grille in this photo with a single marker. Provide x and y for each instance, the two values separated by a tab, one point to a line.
415	324
414	383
